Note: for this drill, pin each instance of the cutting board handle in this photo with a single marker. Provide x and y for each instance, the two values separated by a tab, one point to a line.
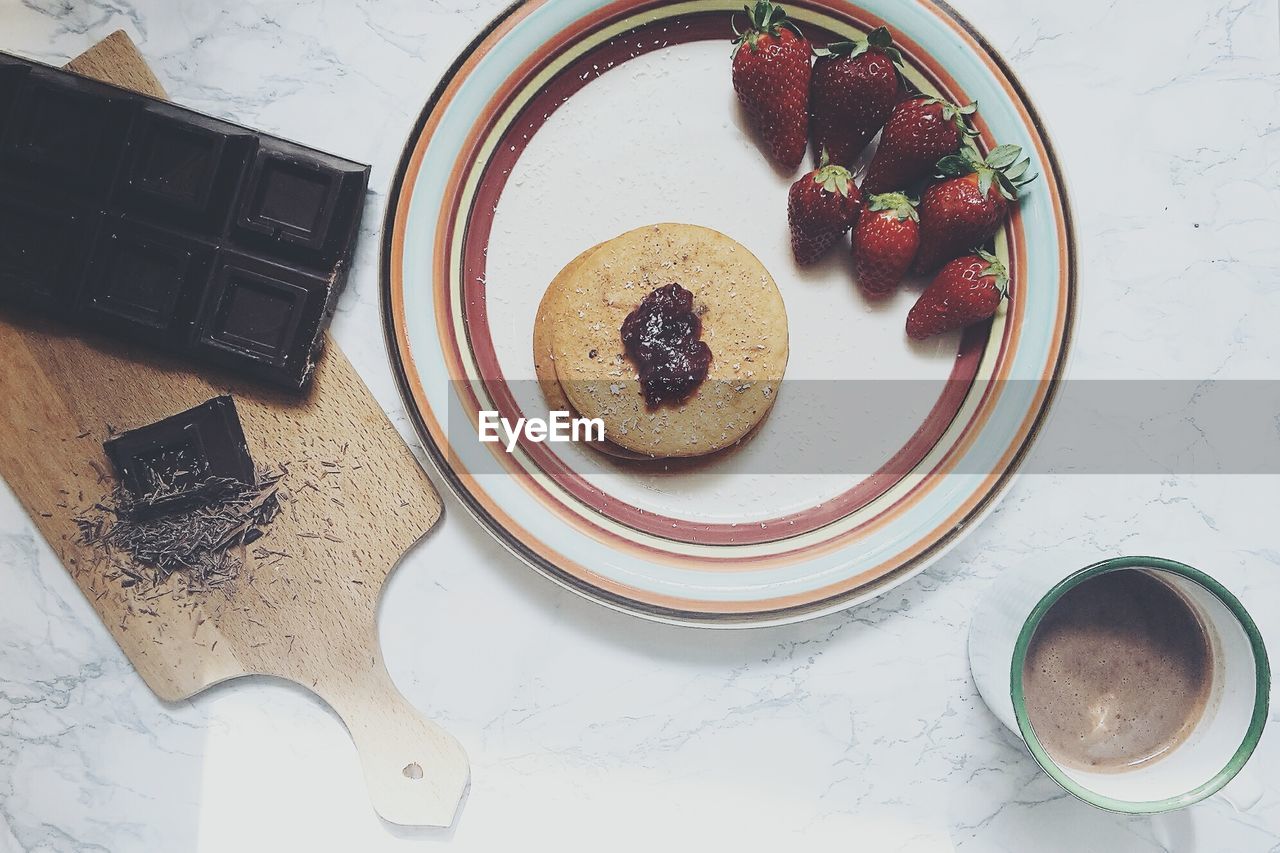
416	772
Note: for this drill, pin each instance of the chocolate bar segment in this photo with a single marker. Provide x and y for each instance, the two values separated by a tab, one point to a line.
177	462
138	218
185	166
139	279
263	316
300	200
11	75
42	251
65	135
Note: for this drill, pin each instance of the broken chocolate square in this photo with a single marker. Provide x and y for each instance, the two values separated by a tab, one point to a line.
178	462
139	278
263	315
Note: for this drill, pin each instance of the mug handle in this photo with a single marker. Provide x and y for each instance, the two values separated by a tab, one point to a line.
1244	791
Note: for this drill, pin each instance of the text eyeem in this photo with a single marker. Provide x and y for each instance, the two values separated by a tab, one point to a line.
560	426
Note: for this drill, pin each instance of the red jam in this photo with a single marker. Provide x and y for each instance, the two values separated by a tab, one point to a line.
661	337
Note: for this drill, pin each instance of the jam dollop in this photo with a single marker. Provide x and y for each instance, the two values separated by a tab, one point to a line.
662	337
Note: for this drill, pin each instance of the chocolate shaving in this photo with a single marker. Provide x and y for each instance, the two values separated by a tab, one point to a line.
205	543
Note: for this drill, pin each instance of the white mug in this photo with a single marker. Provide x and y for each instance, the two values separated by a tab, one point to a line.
1217	748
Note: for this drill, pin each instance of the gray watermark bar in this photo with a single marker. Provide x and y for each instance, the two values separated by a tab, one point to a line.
861	427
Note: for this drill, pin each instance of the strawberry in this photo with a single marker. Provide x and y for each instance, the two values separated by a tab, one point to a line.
966	209
885	242
855	87
821	207
771	76
966	290
919	132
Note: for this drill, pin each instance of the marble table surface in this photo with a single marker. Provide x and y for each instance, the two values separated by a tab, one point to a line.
592	730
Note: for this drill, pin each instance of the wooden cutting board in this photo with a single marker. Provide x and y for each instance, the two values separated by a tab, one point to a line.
305	611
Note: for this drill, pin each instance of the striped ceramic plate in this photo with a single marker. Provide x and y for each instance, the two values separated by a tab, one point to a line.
570	121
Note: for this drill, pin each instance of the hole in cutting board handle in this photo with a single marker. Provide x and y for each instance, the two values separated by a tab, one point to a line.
412	770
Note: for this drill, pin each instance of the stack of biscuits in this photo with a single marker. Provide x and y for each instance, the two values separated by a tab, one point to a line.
582	365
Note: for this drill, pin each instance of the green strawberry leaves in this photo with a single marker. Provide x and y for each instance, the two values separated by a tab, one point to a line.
954	166
1017	170
1001	167
841	48
985	179
996	270
1003	156
832	177
880	38
765	19
959	115
900	204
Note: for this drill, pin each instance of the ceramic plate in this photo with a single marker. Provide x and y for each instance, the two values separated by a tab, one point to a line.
568	122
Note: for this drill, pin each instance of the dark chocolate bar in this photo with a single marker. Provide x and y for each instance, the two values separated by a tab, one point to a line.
132	216
178	462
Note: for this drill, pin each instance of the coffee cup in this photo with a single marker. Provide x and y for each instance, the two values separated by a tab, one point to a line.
1147	679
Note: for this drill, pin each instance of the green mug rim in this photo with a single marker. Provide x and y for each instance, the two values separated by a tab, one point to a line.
1262	694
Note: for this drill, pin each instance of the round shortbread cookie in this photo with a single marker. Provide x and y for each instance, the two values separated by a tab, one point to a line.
544	365
744	323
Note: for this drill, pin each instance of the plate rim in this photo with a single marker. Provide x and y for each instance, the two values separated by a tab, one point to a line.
748	618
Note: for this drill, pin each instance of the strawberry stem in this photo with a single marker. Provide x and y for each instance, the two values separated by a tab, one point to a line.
996	270
957	114
765	19
900	204
833	177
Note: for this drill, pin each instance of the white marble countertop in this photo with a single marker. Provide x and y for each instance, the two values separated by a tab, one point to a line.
591	730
